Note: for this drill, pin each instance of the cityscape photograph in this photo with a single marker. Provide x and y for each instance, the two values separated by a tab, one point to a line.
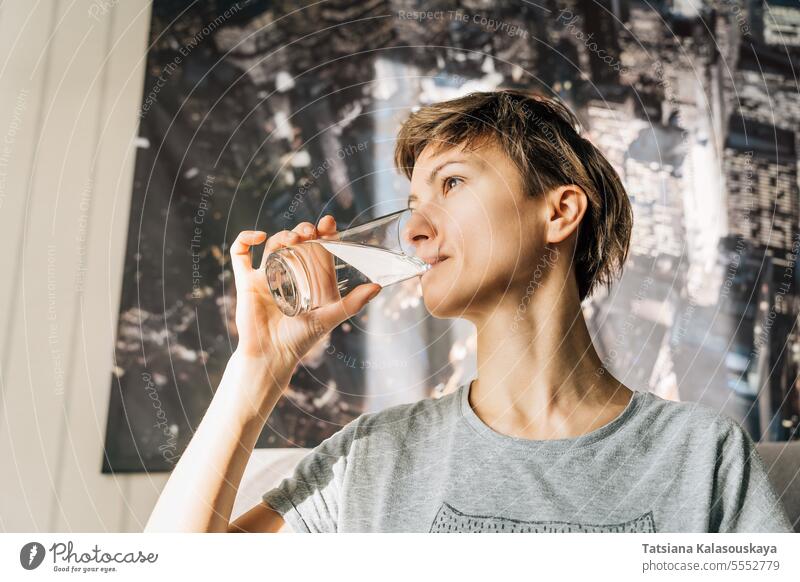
260	115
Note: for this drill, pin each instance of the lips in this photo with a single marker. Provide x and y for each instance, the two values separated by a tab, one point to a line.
433	261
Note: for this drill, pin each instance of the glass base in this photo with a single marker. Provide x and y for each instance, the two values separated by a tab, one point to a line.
284	284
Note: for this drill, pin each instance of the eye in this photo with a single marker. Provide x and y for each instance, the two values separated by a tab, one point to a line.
452	182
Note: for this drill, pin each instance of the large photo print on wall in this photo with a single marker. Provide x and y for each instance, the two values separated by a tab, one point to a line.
261	115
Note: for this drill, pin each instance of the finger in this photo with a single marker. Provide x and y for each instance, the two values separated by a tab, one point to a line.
285	238
332	315
327	228
277	241
280	239
240	251
306	230
326	225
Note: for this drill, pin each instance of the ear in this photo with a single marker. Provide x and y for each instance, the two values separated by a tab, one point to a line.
566	206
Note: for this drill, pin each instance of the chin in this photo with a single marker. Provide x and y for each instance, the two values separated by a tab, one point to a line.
455	296
441	300
438	308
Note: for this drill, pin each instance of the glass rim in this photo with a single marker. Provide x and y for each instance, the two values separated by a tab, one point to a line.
372	223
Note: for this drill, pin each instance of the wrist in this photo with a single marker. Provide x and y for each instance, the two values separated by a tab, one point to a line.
262	366
252	384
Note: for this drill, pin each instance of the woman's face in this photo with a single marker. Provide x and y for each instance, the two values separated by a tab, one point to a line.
471	212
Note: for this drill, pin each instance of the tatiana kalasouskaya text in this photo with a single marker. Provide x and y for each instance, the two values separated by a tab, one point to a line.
709	549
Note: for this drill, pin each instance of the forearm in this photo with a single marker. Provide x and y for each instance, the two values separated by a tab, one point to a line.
199	495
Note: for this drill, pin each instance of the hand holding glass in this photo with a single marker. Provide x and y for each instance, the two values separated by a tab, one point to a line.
321	271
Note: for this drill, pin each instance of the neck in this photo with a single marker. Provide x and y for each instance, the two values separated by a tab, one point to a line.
538	372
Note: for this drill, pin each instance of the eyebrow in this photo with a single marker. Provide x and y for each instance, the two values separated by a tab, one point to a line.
432	176
438	168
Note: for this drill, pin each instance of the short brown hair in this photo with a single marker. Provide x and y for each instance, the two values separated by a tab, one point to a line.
541	136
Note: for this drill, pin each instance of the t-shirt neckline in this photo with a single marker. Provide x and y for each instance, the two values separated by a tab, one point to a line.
547	446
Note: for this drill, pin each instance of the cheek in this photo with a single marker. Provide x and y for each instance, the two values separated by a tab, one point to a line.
468	229
482	263
500	268
491	239
516	258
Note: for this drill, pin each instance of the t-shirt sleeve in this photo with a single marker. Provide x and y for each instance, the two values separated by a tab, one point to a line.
309	500
744	499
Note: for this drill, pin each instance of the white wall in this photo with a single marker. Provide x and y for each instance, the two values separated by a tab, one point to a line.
71	82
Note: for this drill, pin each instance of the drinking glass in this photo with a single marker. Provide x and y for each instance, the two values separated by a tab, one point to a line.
321	271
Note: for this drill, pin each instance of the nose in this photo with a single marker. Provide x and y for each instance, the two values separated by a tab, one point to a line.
417	230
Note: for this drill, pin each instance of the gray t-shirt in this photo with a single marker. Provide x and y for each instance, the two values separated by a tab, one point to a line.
434	465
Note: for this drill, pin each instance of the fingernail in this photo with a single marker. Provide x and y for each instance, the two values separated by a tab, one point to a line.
374	293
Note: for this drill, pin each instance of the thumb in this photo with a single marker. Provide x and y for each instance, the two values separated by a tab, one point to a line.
332	315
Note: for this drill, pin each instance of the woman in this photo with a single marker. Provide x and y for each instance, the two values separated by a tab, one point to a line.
522	219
